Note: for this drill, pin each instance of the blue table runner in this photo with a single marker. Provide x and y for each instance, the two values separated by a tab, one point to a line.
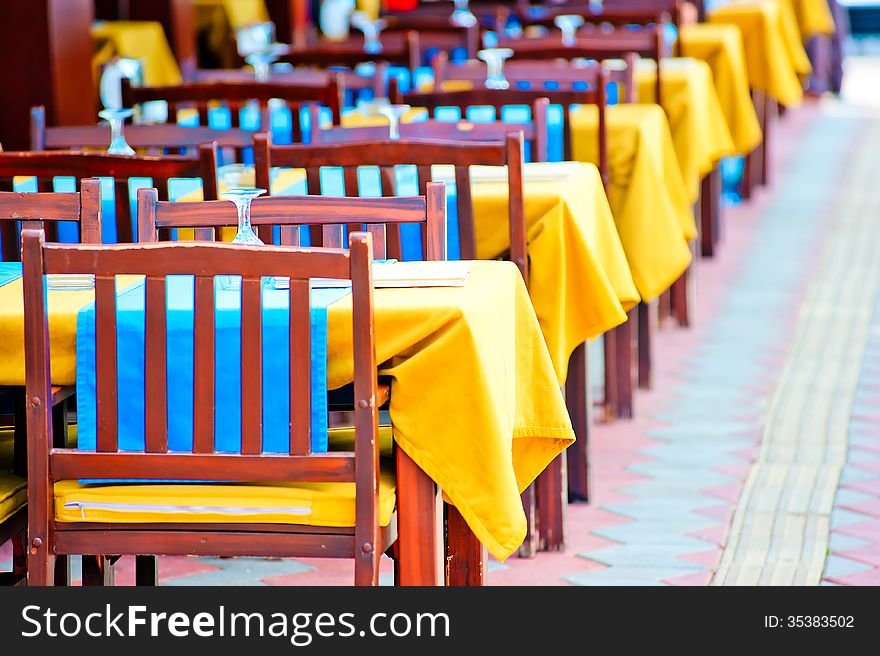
276	357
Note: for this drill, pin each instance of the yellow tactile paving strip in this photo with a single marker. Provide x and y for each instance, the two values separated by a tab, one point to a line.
779	534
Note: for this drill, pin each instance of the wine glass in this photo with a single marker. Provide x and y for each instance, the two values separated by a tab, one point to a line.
116	118
393	113
262	60
462	15
568	23
494	58
371	30
242	197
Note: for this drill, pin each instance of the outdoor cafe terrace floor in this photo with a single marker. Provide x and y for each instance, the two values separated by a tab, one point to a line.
755	458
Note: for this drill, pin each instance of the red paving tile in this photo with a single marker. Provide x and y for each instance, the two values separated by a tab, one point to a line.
708	559
870	577
866	507
328	571
722	512
867	530
869	487
716	534
869	554
695	579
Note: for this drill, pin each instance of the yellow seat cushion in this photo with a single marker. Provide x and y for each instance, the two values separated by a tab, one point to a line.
13	494
342	439
310	504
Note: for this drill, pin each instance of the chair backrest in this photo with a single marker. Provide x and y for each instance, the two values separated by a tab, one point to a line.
154	139
534	132
594	94
612	12
204	261
46	165
305	74
372	215
436	32
400	48
646	42
236	95
44	210
422	153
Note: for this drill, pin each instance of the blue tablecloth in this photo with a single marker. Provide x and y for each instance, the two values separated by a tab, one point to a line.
9	271
275	347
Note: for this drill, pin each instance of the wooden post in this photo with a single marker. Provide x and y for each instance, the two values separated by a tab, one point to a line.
176	17
292	20
46	50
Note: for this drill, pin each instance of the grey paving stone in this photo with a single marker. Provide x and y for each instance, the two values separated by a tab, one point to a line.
656	533
846	496
841	518
841	542
241	571
856	475
627	576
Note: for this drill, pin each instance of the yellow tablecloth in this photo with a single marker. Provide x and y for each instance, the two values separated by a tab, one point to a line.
647	195
475	401
813	17
580	282
581	285
144	40
773	58
721	47
699	129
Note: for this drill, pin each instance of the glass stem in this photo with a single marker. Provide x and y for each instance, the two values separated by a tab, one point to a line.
115	131
244	215
393	128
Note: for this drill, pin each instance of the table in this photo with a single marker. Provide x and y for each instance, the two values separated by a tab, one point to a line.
721	47
144	40
646	192
496	416
774	55
699	128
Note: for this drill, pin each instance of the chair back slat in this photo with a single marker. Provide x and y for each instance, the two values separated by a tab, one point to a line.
465	213
300	371
105	362
379	239
393	244
251	365
203	362
155	370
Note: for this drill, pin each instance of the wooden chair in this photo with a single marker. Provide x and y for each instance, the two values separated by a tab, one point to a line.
401	48
236	95
372	215
49	538
422	153
436	32
153	139
597	45
432	100
37	210
46	165
534	132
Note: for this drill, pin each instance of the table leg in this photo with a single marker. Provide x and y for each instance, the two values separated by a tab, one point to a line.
146	571
770	109
552	499
97	570
419	525
645	319
609	350
710	212
624	364
529	547
465	555
580	409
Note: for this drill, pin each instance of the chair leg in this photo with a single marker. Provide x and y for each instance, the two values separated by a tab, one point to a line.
465	555
529	547
97	570
419	525
645	320
769	114
580	408
551	502
710	212
146	571
680	304
61	572
40	568
624	364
